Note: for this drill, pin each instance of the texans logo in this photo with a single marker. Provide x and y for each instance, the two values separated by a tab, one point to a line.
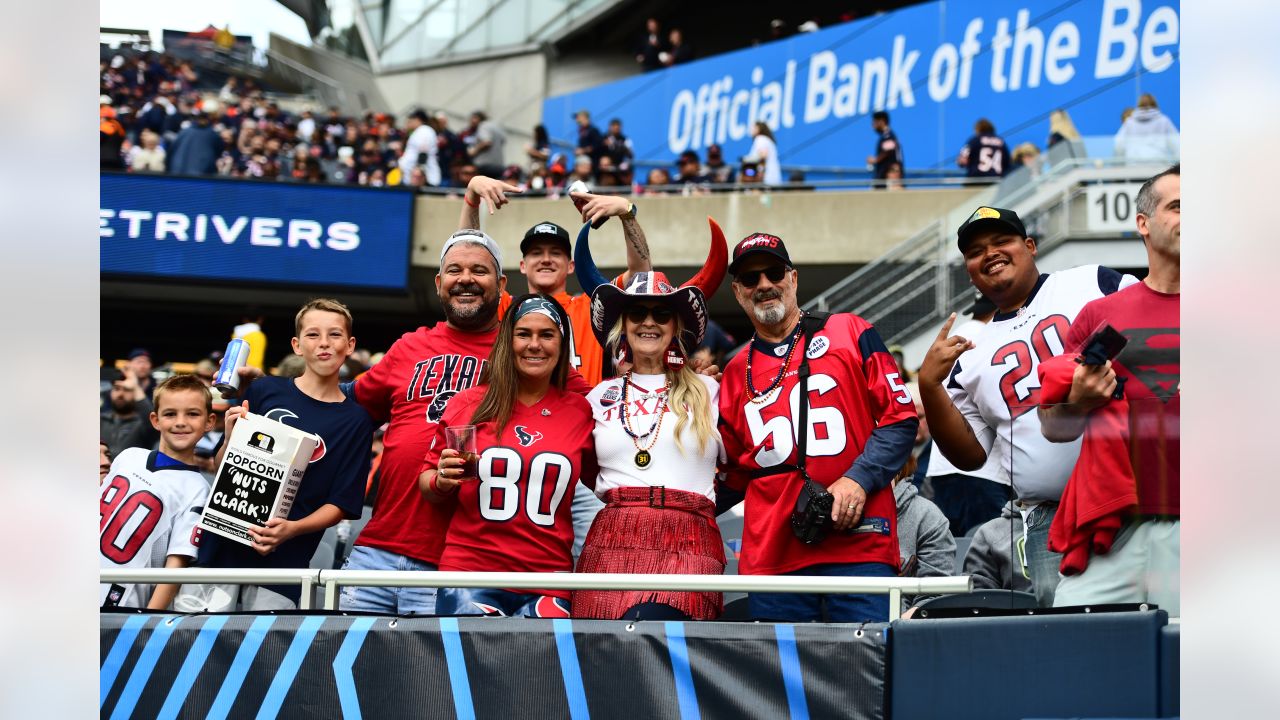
435	411
525	437
282	415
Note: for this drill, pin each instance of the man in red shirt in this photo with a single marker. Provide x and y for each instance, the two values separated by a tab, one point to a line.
1142	564
862	425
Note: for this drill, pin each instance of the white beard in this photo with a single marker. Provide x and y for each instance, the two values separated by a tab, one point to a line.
769	316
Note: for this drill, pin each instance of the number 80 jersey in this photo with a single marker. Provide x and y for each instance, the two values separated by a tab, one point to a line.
517	517
854	387
996	388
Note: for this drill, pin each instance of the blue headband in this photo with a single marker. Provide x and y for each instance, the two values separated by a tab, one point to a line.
540	306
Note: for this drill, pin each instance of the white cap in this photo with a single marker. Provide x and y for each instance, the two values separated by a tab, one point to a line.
474	237
104	100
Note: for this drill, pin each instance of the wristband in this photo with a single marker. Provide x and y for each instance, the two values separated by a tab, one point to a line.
436	488
475	204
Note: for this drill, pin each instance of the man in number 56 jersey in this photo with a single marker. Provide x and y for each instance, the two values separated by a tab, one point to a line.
862	425
980	393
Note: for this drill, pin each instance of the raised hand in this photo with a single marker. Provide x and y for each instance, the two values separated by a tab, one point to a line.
493	192
942	354
595	206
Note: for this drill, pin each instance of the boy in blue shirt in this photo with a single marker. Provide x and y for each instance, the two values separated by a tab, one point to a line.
331	489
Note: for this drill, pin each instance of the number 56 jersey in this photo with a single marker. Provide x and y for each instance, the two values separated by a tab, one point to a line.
854	388
996	387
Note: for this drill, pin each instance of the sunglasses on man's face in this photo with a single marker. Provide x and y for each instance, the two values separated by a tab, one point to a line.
751	278
638	313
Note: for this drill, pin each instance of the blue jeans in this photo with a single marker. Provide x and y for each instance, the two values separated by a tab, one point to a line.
386	600
802	607
1042	563
585	507
499	603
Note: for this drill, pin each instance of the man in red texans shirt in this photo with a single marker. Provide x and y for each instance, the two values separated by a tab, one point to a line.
1142	564
862	424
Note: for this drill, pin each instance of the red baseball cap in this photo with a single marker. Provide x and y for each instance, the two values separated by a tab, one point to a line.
759	243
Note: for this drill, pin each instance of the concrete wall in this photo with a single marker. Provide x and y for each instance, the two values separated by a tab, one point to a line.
842	228
509	89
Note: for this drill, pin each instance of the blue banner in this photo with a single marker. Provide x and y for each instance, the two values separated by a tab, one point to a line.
254	232
936	68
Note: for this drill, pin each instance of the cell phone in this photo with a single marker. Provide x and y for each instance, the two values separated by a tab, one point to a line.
1104	344
580	187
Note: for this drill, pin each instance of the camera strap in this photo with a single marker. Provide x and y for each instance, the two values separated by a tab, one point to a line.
810	324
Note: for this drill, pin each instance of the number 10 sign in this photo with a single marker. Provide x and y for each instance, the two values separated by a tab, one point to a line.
1113	207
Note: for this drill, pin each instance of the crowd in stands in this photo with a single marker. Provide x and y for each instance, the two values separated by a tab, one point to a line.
1068	490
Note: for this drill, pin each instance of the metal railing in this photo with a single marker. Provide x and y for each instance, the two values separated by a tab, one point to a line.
918	282
332	580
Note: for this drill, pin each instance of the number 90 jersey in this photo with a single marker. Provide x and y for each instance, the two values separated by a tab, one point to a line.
996	387
517	517
147	512
854	387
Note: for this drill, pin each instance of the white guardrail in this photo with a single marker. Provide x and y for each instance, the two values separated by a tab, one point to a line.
331	580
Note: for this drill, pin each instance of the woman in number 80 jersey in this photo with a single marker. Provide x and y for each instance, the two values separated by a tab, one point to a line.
534	443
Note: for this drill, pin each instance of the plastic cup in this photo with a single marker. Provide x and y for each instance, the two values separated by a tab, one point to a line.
463	439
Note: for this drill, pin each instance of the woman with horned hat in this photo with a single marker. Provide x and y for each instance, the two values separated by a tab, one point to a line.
656	441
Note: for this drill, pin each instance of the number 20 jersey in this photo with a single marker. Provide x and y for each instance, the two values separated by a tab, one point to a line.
147	512
996	387
854	387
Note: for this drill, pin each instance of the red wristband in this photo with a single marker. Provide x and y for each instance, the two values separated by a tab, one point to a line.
475	204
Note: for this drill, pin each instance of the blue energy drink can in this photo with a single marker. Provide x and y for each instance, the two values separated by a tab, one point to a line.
227	381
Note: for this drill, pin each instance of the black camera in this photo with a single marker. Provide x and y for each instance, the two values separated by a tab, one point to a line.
811	521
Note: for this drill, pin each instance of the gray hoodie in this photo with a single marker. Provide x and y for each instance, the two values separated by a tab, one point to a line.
923	531
991	554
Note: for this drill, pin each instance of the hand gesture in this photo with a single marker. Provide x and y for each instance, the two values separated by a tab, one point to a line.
494	192
234	413
1092	386
850	499
595	206
942	355
265	540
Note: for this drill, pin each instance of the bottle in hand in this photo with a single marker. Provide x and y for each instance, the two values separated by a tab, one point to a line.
580	187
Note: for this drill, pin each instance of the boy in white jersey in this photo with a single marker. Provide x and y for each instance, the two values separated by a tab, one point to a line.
980	393
151	500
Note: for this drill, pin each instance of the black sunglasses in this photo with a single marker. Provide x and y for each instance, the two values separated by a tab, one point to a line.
751	278
638	313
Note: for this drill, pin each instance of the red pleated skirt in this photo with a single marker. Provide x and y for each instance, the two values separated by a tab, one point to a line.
651	530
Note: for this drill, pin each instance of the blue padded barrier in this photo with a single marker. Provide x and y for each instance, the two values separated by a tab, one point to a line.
1045	666
1170	649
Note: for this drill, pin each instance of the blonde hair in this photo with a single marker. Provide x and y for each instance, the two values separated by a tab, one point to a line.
1060	122
325	304
687	398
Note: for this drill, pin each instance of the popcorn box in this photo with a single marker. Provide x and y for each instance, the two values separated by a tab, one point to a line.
258	478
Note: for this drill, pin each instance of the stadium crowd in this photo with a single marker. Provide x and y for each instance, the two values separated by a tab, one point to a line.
1046	428
156	116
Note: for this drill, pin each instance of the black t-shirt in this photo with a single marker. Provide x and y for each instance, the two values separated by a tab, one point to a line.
987	156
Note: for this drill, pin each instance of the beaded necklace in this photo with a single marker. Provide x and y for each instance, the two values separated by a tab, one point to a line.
758	396
642	457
